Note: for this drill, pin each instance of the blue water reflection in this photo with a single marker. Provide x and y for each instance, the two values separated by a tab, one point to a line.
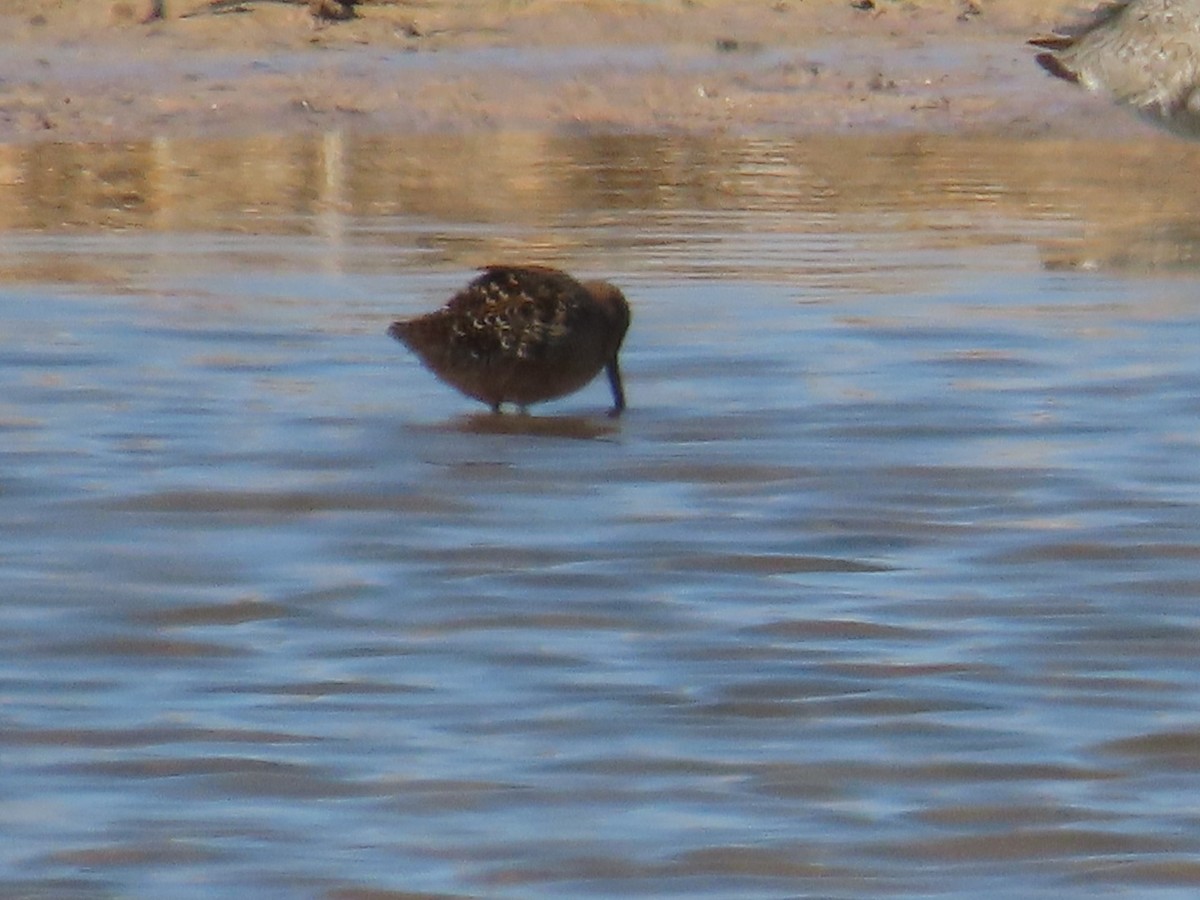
884	586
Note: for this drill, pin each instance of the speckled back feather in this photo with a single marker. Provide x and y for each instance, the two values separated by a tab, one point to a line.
522	334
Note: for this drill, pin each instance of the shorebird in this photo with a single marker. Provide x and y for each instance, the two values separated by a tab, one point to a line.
1145	53
523	334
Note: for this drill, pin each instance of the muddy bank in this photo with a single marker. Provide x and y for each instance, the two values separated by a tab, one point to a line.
84	71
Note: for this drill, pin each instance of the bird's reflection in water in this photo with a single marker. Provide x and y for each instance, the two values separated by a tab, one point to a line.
580	428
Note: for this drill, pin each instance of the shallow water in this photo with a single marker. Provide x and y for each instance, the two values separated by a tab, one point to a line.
885	585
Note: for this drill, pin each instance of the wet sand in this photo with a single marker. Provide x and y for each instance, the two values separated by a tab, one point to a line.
76	70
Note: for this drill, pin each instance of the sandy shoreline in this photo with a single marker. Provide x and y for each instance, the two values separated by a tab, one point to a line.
75	70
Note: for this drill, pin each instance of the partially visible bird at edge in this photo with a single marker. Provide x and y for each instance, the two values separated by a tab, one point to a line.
1144	53
523	335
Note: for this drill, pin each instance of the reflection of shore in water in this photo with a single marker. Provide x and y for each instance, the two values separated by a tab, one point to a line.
1164	247
458	202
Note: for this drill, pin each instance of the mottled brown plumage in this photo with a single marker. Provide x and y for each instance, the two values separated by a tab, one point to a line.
523	334
1145	53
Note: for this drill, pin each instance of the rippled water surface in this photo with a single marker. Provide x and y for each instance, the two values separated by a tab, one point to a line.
886	584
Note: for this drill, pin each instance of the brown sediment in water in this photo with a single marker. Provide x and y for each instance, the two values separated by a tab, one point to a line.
81	70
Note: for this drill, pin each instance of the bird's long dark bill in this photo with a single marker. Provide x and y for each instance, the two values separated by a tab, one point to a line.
614	381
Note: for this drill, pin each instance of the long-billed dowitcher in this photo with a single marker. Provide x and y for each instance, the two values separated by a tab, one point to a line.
523	334
1145	53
